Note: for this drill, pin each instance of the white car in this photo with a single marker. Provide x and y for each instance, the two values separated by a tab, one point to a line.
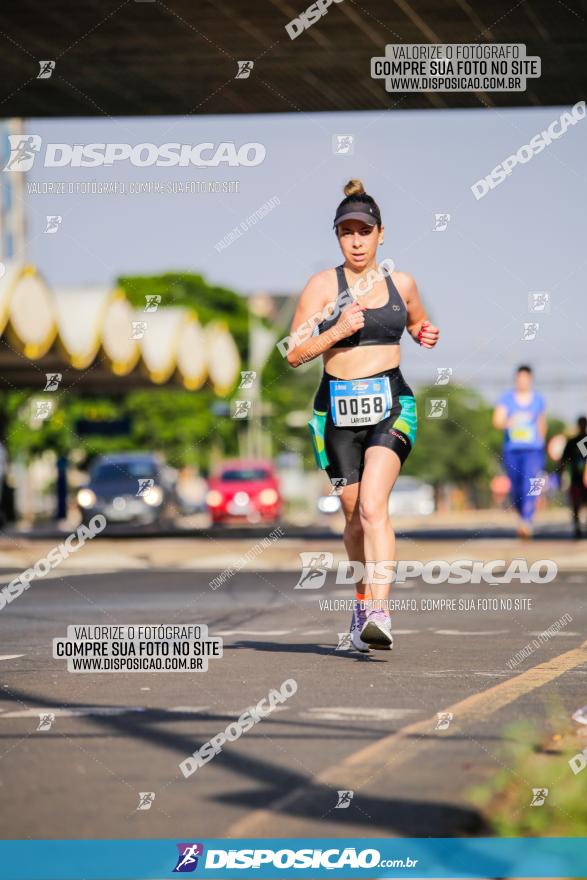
409	497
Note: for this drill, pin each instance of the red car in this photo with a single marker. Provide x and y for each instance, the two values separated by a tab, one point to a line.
244	489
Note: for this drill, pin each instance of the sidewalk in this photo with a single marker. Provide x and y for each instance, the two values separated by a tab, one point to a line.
217	550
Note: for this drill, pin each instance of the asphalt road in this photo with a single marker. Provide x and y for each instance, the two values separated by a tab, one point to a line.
363	723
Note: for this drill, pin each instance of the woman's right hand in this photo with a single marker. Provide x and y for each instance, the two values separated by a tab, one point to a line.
351	319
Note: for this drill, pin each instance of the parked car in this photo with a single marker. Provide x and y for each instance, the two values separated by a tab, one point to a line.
409	497
244	490
132	487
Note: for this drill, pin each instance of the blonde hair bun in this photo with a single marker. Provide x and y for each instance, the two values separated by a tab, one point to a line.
354	188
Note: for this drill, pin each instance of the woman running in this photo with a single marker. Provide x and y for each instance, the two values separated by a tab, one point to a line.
364	419
520	414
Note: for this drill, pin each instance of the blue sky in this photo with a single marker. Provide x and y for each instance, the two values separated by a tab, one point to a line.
526	235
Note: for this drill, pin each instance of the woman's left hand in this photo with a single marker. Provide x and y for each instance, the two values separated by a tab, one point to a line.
428	335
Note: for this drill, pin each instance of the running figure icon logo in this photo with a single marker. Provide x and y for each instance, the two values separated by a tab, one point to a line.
46	720
344	800
23	151
530	331
152	302
53	380
539	301
444	719
343	144
146	799
539	795
53	223
189	853
441	222
314	569
46	68
443	375
247	378
437	408
537	484
344	642
338	484
244	69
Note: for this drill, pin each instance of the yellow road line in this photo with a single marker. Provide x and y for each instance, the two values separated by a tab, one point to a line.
355	770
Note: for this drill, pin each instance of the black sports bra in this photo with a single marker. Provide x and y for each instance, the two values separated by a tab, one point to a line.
383	326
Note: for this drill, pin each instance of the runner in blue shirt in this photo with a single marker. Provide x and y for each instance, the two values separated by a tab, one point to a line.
520	413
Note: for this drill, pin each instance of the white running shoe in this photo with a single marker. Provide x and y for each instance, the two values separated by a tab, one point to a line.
357	623
377	630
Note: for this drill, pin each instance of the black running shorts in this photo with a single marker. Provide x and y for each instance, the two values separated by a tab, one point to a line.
341	450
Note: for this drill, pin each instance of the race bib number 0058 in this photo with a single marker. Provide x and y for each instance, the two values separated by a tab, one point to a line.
358	402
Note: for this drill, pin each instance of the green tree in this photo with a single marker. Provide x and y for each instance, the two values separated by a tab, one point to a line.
462	448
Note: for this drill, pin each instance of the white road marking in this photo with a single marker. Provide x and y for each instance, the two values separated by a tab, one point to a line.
192	710
254	632
356	713
460	632
493	674
552	635
10	656
73	712
61	571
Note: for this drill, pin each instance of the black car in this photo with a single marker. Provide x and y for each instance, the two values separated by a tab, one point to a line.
132	487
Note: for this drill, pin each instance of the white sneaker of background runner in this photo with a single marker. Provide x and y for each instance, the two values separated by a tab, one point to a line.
357	623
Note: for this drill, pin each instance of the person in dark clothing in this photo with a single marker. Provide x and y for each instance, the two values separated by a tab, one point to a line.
574	458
